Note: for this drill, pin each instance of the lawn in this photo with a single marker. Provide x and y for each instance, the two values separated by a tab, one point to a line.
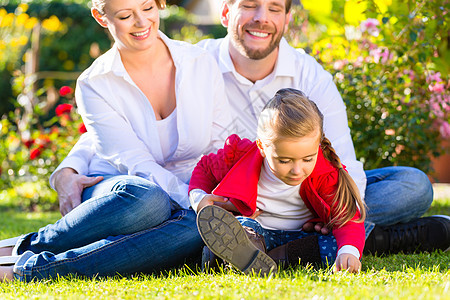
418	276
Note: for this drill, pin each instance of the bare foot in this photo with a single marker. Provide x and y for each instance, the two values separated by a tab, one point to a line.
6	251
6	273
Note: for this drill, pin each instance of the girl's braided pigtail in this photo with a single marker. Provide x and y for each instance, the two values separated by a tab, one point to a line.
347	199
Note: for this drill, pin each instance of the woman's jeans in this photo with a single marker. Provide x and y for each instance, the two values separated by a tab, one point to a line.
125	224
396	195
275	238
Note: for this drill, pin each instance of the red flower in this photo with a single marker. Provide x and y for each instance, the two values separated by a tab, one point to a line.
28	143
65	90
35	153
63	109
82	129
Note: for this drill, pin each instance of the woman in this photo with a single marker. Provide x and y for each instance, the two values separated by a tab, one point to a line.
154	106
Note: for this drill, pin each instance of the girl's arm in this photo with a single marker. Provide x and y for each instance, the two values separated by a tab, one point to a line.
212	168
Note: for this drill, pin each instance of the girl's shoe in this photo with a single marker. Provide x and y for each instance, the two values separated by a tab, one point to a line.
227	239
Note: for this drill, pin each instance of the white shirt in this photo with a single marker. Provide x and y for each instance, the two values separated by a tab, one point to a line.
294	69
168	134
123	127
281	204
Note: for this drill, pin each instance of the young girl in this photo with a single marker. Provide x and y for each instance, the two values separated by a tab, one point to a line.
289	176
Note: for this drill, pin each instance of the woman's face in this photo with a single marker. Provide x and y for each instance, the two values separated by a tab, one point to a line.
133	24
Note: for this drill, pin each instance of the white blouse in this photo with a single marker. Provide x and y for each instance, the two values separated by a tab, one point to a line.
122	123
168	134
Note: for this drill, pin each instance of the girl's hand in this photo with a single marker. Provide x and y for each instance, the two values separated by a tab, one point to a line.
213	199
347	262
256	214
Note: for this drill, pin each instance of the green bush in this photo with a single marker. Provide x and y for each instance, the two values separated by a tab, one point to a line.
391	64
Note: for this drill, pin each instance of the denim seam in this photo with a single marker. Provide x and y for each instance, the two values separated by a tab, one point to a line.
53	264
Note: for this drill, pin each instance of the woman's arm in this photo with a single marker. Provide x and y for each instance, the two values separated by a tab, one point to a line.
116	141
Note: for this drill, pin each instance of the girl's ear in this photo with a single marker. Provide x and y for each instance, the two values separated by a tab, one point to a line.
260	147
99	17
225	11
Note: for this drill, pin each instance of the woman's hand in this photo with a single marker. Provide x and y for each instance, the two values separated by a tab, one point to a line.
70	185
347	262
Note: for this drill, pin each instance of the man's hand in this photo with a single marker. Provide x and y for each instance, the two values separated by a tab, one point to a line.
318	227
69	185
347	262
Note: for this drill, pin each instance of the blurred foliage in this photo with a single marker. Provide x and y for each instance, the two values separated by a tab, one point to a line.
34	138
391	61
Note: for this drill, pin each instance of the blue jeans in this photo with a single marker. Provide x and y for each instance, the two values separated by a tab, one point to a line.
276	238
125	224
396	195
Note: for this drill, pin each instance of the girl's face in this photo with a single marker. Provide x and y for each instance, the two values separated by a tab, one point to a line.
132	23
292	159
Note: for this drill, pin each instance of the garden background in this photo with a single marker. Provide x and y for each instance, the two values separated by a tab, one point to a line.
390	60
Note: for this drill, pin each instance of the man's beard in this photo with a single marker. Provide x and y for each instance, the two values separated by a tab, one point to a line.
256	54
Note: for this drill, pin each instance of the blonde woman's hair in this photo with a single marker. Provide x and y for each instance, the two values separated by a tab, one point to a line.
100	5
290	114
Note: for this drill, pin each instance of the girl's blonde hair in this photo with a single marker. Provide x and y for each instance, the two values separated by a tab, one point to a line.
290	114
100	5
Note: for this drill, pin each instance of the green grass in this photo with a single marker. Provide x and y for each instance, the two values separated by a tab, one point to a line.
417	276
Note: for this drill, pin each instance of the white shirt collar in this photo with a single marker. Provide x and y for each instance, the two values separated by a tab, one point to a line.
111	61
283	67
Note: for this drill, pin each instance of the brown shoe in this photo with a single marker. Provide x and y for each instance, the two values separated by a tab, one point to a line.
226	238
303	251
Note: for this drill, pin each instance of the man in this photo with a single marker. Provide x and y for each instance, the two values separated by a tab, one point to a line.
256	61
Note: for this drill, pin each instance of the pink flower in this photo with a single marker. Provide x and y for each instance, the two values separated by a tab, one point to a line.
63	109
65	90
380	53
434	77
410	74
437	88
340	64
340	76
444	129
371	26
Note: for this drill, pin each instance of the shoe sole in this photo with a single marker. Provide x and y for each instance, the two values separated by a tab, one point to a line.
226	238
11	242
8	260
445	217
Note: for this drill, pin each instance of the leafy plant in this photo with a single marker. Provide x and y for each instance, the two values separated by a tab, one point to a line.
390	62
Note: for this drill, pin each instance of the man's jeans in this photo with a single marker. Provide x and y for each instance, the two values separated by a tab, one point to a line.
125	224
396	195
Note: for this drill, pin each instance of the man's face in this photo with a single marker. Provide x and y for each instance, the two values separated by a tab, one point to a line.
255	26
